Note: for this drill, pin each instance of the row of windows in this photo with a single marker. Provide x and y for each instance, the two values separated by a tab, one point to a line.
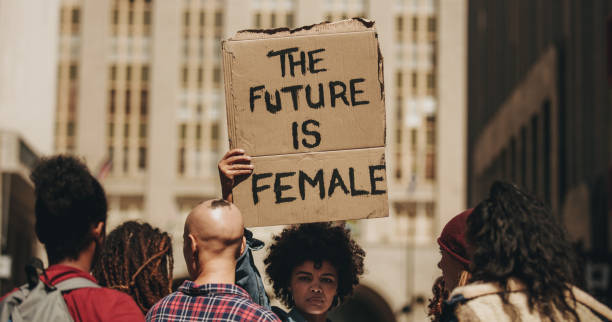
430	79
273	23
216	76
144	73
201	18
141	161
144	102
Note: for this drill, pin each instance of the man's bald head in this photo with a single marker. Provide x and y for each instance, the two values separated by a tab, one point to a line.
214	229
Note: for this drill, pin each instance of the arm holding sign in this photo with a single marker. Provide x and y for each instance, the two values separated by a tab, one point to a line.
233	168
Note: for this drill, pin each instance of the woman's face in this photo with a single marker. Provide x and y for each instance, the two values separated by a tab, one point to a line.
314	287
451	270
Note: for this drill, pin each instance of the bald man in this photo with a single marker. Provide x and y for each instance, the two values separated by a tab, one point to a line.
212	241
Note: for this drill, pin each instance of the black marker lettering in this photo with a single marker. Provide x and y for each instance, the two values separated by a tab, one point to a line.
333	95
318	179
294	90
253	96
309	97
301	63
279	188
355	191
355	91
316	134
374	179
296	142
336	181
272	108
255	188
312	61
281	54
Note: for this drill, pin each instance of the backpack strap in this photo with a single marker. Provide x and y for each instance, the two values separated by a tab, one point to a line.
75	283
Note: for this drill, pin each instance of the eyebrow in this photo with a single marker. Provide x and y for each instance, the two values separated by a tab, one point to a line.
302	272
328	275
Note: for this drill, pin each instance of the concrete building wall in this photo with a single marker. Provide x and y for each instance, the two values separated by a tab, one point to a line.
28	72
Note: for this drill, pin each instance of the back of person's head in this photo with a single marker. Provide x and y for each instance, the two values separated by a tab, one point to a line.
69	203
214	231
317	242
137	259
514	235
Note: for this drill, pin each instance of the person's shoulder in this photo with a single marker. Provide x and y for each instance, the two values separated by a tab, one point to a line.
109	302
261	313
161	305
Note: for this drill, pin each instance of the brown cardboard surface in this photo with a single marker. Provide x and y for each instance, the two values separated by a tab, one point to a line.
359	200
348	57
291	131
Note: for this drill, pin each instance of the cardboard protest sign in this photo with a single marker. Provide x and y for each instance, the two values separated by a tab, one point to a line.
308	106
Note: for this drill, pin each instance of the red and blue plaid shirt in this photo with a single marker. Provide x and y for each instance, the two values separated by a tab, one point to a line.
209	302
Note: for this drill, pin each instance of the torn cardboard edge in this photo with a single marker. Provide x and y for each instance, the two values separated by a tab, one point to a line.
349	25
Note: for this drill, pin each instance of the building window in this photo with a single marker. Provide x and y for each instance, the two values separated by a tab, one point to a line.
126	130
290	20
128	73
273	20
112	101
200	76
125	159
111	130
142	158
146	17
183	131
399	27
186	19
258	20
214	133
217	76
73	72
113	72
202	18
144	73
142	131
431	24
181	161
127	101
415	24
144	94
414	139
431	130
398	79
75	16
185	76
115	17
219	19
415	79
70	128
430	166
198	132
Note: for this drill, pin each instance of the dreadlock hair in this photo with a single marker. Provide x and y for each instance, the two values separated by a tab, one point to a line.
137	260
69	203
516	236
315	242
435	303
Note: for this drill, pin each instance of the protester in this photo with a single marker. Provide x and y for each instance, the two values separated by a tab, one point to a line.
137	260
213	240
313	267
70	212
234	166
523	266
454	262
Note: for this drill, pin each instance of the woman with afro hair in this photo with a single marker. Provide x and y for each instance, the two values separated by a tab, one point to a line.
313	267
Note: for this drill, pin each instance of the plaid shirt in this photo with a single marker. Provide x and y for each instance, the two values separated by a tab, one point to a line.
209	302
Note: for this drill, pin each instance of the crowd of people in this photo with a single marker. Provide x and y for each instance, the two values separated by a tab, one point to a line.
507	259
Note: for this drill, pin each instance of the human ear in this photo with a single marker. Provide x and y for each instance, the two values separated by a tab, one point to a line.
98	232
243	245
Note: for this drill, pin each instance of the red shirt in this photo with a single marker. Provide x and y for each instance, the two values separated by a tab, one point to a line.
93	304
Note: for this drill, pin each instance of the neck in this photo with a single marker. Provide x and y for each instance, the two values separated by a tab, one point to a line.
220	270
83	262
315	317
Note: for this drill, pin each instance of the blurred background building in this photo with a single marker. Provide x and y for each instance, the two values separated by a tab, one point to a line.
140	97
540	114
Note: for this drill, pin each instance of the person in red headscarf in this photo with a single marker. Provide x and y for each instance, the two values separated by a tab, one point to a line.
454	262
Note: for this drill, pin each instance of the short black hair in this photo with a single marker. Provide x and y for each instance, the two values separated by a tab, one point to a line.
315	242
69	203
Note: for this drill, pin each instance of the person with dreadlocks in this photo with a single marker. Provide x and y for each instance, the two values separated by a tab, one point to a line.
137	260
522	265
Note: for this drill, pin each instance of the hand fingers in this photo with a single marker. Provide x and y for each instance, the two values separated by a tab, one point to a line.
232	152
238	159
240	166
239	172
